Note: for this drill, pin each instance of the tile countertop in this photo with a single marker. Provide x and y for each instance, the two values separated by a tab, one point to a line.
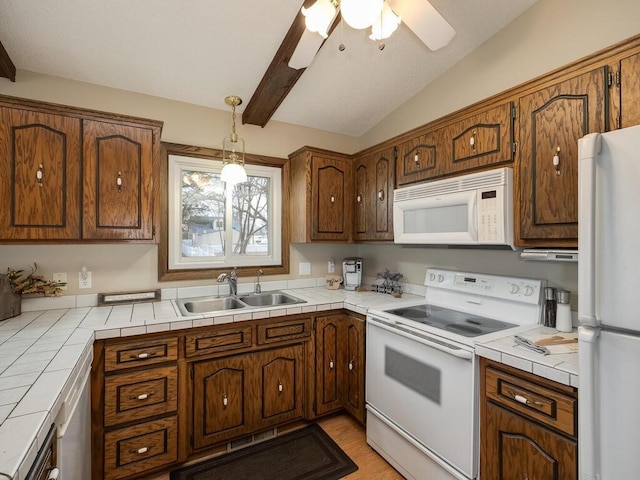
43	353
559	367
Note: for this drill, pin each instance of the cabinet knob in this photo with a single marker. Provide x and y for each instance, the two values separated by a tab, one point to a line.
119	181
331	365
556	161
279	386
332	199
416	158
381	195
351	363
225	402
359	198
472	140
40	175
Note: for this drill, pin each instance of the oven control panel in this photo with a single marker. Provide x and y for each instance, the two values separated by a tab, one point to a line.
510	288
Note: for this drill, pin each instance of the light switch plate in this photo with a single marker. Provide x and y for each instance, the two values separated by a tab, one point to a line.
60	278
305	268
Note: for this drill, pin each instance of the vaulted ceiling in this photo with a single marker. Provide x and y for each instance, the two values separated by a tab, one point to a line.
202	50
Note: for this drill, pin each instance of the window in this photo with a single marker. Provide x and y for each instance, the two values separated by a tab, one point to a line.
211	227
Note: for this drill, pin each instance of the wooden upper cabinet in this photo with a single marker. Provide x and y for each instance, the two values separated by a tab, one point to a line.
321	196
39	175
118	181
624	87
419	159
482	140
552	120
374	179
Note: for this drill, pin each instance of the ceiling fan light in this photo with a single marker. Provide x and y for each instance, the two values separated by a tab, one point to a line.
318	17
360	14
385	25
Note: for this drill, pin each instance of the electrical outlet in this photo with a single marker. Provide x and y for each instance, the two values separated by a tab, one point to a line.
84	279
331	266
305	268
60	278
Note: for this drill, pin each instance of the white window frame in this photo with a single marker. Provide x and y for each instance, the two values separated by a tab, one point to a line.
177	164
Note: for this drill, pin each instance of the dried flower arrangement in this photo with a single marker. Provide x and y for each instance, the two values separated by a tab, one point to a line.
32	284
390	284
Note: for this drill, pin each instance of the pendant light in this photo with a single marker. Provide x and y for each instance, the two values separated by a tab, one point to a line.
233	150
360	14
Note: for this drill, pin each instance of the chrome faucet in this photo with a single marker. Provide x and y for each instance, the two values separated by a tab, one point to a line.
232	278
258	288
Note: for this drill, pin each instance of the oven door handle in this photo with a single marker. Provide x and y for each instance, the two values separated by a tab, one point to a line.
411	333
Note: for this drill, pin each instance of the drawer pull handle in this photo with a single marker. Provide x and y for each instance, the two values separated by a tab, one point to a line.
524	400
225	402
279	386
381	195
142	396
142	356
331	364
119	181
142	450
359	198
472	140
351	364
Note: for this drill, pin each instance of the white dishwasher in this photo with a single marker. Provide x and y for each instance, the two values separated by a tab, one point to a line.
74	429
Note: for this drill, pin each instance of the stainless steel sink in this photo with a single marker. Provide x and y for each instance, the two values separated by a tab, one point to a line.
208	304
269	299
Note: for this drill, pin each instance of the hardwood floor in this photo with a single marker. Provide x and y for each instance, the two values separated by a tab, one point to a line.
350	436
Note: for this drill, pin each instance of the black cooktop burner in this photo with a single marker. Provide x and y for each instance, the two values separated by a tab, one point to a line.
458	322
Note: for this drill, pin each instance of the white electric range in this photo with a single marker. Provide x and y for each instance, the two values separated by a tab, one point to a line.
422	375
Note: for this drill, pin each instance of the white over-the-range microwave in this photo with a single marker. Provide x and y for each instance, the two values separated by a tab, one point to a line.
474	209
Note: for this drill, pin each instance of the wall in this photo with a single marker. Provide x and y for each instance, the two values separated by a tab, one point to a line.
550	34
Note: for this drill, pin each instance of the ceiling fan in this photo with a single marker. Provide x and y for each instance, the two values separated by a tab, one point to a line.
382	16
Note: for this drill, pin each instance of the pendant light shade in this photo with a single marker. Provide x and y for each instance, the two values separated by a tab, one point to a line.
319	16
360	14
233	150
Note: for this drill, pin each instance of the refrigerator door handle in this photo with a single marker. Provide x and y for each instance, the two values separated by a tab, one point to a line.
588	415
588	150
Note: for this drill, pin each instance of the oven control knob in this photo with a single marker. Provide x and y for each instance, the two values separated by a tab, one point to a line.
440	278
528	290
514	288
432	277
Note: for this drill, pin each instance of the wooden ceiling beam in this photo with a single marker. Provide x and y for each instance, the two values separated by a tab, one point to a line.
279	78
7	68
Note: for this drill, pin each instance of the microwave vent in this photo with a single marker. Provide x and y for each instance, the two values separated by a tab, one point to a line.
474	181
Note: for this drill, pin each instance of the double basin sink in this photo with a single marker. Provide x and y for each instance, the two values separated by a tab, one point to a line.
190	306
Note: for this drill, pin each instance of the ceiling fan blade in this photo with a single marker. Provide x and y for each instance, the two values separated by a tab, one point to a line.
306	50
425	21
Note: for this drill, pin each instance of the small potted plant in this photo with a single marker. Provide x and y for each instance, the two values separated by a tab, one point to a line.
14	285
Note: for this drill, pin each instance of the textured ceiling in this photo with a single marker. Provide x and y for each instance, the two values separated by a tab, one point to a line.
199	51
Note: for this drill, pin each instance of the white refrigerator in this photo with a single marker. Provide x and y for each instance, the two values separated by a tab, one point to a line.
609	305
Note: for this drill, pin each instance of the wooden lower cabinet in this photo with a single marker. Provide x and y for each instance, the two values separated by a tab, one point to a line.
160	400
528	426
246	393
339	365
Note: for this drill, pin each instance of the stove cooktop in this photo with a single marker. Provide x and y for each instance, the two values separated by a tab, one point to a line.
465	324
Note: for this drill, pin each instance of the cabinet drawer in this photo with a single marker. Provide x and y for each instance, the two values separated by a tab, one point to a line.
133	450
545	405
140	353
218	340
140	394
272	332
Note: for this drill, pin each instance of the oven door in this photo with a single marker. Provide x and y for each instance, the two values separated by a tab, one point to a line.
425	385
440	219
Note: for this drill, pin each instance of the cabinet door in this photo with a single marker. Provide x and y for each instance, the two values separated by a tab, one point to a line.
551	122
515	448
354	383
281	380
630	91
329	371
220	409
331	195
362	198
39	176
481	140
118	181
383	181
419	159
